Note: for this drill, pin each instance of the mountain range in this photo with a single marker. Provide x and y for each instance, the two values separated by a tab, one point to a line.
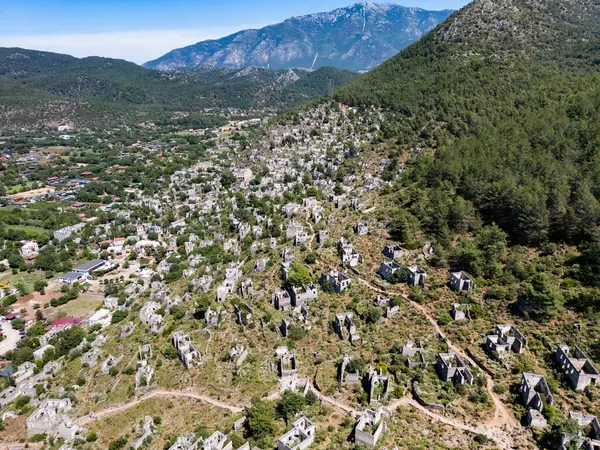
42	87
358	37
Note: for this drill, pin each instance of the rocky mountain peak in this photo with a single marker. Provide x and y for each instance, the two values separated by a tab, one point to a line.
357	37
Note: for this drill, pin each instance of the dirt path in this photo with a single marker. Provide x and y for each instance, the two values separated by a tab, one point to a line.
20	445
334	402
11	337
92	417
312	231
502	437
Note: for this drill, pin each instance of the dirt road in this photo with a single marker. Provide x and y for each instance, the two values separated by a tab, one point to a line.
92	417
11	337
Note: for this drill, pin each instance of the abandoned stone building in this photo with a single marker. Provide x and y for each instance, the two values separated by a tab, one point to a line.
309	202
48	416
149	316
535	419
370	425
587	438
386	304
323	236
110	362
288	254
414	355
339	281
506	338
317	214
345	327
450	366
286	362
345	376
460	312
535	391
243	314
238	354
378	386
293	229
217	441
144	372
212	318
393	251
285	270
284	327
203	283
145	430
127	329
460	281
351	258
300	314
300	437
186	442
260	265
246	288
361	228
339	201
301	238
291	209
580	369
388	269
301	295
281	299
188	353
416	276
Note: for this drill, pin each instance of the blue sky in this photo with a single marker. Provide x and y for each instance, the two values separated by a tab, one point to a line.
140	30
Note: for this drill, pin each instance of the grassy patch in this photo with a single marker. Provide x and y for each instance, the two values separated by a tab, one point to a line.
79	307
28	229
178	416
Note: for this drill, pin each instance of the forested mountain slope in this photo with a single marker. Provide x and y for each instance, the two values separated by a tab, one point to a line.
507	91
30	79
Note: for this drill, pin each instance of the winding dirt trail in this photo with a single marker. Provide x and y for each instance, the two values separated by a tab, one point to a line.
334	402
92	417
502	437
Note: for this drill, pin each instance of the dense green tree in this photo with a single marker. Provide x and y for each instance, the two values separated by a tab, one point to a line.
21	355
542	296
118	316
228	179
291	403
590	261
403	226
68	339
39	285
299	274
356	365
261	419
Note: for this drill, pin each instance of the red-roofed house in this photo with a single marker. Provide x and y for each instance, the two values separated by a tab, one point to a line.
63	322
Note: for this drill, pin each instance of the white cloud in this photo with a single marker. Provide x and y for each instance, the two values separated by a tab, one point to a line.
136	46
